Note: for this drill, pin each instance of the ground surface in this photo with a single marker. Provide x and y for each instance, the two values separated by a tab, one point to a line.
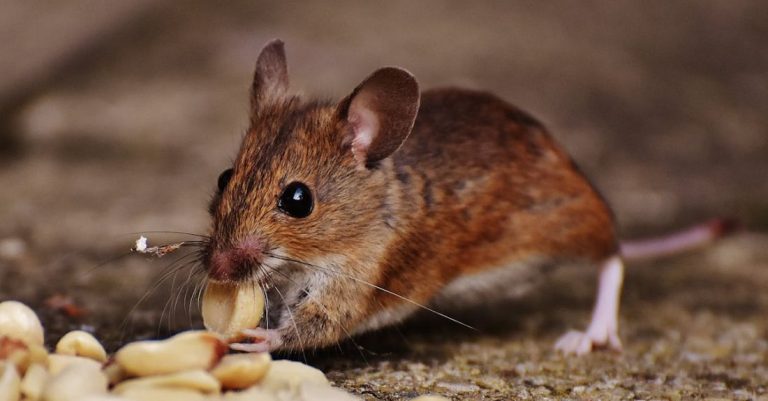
662	104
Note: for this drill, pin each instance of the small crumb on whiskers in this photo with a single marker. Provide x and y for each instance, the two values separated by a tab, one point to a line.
157	251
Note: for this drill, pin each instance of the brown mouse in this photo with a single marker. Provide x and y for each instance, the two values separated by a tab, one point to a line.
353	215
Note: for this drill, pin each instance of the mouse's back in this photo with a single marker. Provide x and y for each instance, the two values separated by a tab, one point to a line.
482	185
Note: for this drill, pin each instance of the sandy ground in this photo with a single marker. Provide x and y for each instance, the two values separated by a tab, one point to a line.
662	104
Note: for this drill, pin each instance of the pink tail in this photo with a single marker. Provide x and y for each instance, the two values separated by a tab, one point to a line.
680	241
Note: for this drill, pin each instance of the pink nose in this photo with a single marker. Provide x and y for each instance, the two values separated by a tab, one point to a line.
236	262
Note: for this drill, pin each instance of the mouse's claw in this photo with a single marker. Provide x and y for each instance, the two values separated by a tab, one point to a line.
581	343
573	342
250	347
263	341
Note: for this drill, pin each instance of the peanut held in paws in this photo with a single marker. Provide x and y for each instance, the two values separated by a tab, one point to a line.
230	308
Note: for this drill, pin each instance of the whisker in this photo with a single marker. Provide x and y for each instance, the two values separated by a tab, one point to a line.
266	303
379	288
104	263
196	294
173	268
295	327
199	243
174	296
168	301
184	288
200	293
168	232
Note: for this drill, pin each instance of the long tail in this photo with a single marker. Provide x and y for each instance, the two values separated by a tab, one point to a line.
681	241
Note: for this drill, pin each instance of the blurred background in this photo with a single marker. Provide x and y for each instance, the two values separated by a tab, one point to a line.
117	117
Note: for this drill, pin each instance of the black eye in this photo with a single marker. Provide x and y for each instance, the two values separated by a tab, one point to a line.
224	178
296	200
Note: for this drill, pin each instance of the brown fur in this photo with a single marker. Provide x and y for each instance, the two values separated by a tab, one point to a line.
478	184
482	184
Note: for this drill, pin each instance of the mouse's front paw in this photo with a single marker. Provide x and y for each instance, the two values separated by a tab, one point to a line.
263	340
581	343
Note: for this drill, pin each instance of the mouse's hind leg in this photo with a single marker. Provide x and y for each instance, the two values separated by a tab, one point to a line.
603	329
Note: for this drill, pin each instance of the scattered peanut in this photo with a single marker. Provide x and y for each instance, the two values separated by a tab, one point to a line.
81	343
37	354
15	351
162	394
57	363
239	371
104	397
190	366
34	381
21	354
115	374
19	321
251	394
9	382
186	351
230	308
288	376
197	380
75	382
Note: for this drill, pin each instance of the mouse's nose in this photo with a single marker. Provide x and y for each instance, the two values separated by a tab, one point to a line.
235	263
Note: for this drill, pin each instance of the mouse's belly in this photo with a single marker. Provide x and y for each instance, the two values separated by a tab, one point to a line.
495	283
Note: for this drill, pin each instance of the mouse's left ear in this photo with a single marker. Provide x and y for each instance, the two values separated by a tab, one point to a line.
270	79
380	114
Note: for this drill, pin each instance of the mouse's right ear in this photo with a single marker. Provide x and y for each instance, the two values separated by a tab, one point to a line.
380	114
270	80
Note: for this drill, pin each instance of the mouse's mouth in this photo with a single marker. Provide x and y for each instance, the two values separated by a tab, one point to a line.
284	282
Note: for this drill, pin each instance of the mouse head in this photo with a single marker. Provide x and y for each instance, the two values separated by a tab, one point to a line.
310	182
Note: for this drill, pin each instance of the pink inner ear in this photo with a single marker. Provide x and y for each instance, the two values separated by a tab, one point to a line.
365	125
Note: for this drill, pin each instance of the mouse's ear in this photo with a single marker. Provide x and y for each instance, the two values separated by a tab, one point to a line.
271	76
380	113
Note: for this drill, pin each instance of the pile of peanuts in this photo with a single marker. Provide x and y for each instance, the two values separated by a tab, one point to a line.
189	366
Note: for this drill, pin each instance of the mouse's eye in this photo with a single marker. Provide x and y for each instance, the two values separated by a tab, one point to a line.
296	200
224	178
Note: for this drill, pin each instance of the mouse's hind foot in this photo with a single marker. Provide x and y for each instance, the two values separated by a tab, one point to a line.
583	342
603	330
